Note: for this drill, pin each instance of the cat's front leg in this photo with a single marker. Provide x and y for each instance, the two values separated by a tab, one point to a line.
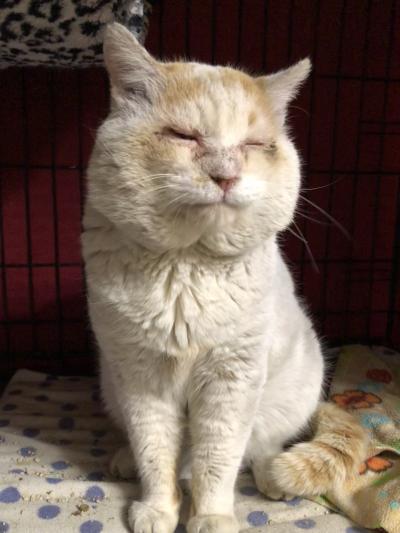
154	428
226	388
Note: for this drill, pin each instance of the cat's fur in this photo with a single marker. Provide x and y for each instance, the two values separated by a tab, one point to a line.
200	331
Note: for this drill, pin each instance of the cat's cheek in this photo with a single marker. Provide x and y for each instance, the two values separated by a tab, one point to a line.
183	154
159	153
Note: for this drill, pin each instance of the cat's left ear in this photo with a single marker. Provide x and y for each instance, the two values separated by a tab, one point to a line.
283	86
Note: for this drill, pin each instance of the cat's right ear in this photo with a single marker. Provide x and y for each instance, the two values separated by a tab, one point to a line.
134	73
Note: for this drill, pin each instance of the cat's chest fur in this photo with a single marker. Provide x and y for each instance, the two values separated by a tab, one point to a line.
175	304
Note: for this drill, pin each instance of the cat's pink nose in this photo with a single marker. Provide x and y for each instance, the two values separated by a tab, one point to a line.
225	184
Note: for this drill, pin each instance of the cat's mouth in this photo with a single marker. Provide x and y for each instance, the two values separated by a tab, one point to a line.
213	200
207	198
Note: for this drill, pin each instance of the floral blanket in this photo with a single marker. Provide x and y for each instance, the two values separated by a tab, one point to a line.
367	383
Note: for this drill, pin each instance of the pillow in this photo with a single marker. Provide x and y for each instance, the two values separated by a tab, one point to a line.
67	33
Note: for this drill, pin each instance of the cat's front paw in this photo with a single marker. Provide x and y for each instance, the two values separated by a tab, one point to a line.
273	492
265	481
213	523
267	486
122	464
146	519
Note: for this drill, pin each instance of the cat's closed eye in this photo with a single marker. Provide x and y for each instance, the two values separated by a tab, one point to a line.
181	135
254	143
266	146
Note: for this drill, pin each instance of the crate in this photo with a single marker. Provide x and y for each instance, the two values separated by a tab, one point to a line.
346	123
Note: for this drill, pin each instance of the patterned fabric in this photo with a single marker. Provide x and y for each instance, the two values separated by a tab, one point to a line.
55	444
367	383
63	33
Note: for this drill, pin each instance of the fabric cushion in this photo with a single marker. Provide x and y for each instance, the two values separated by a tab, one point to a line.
63	32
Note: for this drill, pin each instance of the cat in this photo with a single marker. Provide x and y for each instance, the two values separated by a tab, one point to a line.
201	335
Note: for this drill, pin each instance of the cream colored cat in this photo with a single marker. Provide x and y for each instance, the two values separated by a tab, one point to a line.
201	335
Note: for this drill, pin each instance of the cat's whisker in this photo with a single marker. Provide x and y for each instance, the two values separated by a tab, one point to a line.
328	216
178	213
156	176
156	189
305	242
147	179
322	186
176	200
306	216
300	109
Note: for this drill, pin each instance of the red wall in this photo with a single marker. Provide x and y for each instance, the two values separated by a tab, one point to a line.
345	122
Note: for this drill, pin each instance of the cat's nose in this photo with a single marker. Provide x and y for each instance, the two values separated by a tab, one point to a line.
225	184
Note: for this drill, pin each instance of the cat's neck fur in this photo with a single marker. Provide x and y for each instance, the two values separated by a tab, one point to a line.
182	294
202	252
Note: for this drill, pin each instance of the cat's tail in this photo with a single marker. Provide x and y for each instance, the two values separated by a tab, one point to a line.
335	453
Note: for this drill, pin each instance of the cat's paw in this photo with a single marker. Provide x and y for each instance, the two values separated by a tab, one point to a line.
266	483
122	464
213	523
146	519
271	490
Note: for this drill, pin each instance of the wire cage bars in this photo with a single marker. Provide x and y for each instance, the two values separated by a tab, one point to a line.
345	123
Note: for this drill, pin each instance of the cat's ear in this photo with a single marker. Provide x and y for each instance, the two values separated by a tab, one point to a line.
283	86
133	72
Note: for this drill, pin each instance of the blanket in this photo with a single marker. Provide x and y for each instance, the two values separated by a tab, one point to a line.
367	383
56	443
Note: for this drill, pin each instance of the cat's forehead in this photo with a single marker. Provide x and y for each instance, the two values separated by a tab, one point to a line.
196	79
214	95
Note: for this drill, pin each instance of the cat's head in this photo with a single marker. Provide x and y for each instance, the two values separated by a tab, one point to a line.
193	153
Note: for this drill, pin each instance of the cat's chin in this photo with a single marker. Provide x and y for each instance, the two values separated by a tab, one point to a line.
214	214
